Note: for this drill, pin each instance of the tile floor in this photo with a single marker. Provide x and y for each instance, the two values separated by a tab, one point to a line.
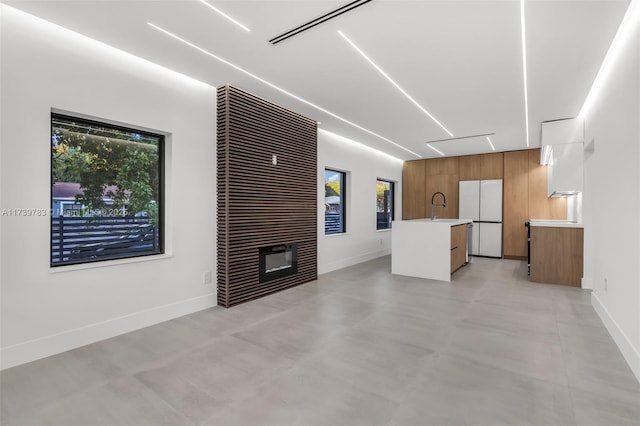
357	347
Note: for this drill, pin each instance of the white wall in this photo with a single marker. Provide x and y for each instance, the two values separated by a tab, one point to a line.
46	311
612	203
361	242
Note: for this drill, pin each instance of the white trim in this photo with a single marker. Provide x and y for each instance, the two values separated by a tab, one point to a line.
42	347
346	262
630	353
107	263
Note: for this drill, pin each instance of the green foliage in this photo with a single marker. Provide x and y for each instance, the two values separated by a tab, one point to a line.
332	188
330	191
98	158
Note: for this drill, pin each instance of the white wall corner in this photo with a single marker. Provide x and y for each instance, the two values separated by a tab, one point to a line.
630	353
587	283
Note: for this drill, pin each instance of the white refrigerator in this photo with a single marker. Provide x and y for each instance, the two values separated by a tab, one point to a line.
481	201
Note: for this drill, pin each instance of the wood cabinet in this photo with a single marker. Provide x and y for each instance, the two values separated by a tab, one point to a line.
458	246
557	255
540	205
525	190
442	176
413	189
481	167
516	204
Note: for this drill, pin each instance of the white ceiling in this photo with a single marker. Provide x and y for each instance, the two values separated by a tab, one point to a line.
461	60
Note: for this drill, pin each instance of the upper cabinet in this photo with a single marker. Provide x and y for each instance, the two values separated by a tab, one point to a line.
482	167
413	189
540	206
442	176
563	153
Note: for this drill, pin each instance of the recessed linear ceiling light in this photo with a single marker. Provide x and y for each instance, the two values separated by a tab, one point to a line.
524	70
273	86
435	149
623	35
384	74
491	143
225	15
460	137
317	21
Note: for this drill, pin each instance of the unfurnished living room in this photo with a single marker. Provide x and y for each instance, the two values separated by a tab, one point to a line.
370	212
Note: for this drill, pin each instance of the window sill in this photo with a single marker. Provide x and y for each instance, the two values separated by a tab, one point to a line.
337	235
384	230
107	263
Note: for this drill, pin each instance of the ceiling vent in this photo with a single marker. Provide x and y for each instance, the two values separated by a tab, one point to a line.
317	21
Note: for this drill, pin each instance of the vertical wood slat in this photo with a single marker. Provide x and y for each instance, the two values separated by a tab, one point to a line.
261	204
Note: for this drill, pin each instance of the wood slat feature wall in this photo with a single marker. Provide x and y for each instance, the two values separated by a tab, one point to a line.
260	203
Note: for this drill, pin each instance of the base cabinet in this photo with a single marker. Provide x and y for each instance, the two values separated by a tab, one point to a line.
458	247
557	255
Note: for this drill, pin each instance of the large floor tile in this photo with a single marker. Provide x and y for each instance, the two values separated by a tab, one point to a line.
122	402
458	391
304	396
356	346
536	358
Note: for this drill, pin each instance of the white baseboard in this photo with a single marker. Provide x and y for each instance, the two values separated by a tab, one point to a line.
587	283
42	347
349	261
630	352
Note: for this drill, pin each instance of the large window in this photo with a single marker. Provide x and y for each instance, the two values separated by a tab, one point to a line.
106	191
384	204
334	202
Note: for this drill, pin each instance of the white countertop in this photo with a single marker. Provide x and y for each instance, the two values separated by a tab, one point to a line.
555	223
447	222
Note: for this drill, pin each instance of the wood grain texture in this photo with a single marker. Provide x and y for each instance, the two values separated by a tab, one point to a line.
491	166
540	205
470	167
443	166
458	246
261	204
448	185
557	255
414	202
516	204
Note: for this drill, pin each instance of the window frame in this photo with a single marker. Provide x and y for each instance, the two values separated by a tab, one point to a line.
392	197
343	200
161	189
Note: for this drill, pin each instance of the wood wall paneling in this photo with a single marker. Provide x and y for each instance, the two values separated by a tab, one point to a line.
445	183
470	167
516	204
540	205
261	204
442	166
414	203
491	166
557	255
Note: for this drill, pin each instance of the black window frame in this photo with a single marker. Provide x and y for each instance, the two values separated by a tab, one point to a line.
392	196
161	190
343	201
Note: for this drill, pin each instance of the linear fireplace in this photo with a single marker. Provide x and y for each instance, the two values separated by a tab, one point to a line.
278	261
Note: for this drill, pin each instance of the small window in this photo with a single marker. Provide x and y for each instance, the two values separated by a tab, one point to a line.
106	191
384	204
334	202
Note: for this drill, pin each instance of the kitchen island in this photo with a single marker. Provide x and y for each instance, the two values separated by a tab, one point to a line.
426	248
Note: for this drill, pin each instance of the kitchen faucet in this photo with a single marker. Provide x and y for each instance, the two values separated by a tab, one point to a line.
433	205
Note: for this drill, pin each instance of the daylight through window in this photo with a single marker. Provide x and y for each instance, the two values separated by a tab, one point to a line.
106	191
384	204
334	202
